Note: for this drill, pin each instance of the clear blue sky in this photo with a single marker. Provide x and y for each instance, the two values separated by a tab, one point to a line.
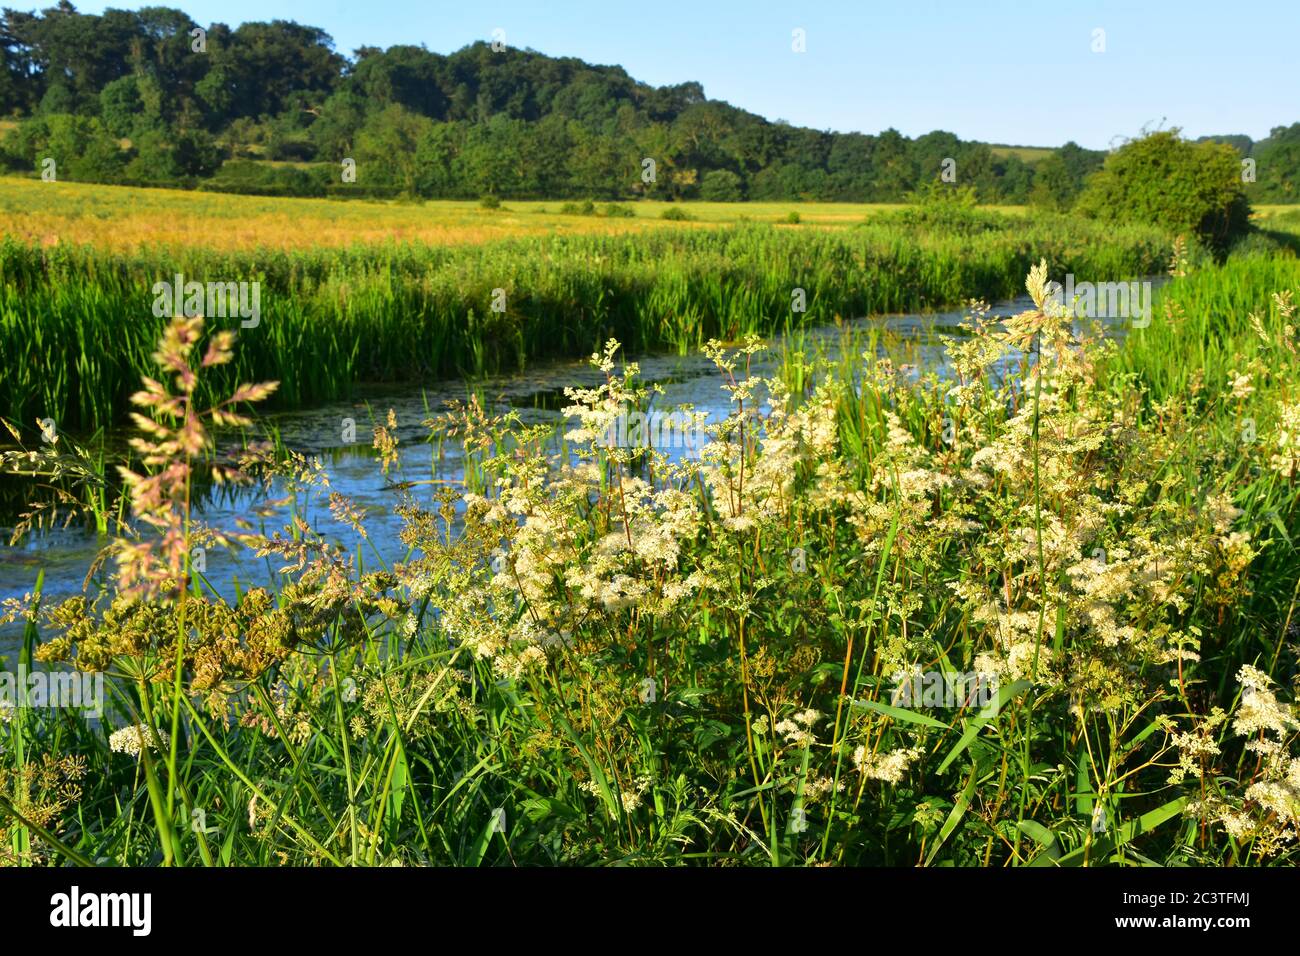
993	70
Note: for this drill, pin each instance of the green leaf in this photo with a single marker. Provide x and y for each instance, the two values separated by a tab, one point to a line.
1044	838
899	713
959	808
1005	695
1123	834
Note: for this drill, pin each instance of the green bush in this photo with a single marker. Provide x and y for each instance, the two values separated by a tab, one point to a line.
252	178
615	211
1194	189
80	146
721	185
490	201
676	214
948	209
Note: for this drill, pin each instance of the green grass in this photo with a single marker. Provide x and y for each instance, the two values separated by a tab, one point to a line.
1030	154
125	218
77	329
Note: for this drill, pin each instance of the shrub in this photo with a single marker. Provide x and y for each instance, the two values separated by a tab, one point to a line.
1165	180
946	209
676	214
490	201
722	185
262	179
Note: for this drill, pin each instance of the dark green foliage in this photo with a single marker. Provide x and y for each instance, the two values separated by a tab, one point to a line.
1277	170
262	179
721	185
947	209
515	123
80	146
120	105
1195	189
1059	178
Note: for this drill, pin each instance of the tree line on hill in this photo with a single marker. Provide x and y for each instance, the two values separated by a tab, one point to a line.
149	97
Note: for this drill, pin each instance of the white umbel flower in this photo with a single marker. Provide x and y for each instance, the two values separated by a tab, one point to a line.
130	740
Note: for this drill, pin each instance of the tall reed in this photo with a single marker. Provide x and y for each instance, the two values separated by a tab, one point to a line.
77	326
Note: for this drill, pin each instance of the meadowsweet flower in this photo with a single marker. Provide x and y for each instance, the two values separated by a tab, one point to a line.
630	799
807	717
817	788
888	767
795	735
130	740
1239	386
1260	710
1286	460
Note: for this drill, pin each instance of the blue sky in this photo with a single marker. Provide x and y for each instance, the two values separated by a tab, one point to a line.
994	70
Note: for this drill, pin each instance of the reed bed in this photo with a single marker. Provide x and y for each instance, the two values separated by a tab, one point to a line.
77	328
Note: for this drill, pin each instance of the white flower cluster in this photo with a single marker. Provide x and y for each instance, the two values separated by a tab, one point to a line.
130	740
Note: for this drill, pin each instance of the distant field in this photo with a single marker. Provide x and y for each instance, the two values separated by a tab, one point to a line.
1030	154
121	217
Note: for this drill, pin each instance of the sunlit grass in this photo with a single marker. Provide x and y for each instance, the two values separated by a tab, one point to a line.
123	218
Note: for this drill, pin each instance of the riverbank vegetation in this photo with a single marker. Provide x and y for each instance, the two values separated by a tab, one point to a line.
621	656
1032	603
80	328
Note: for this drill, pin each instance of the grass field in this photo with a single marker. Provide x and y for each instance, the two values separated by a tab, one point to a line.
1030	154
125	218
79	328
117	217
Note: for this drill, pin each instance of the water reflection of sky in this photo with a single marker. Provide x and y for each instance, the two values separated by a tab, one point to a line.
536	395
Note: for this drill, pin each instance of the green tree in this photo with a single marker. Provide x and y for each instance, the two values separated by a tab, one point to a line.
1190	188
721	185
120	104
387	148
1277	165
